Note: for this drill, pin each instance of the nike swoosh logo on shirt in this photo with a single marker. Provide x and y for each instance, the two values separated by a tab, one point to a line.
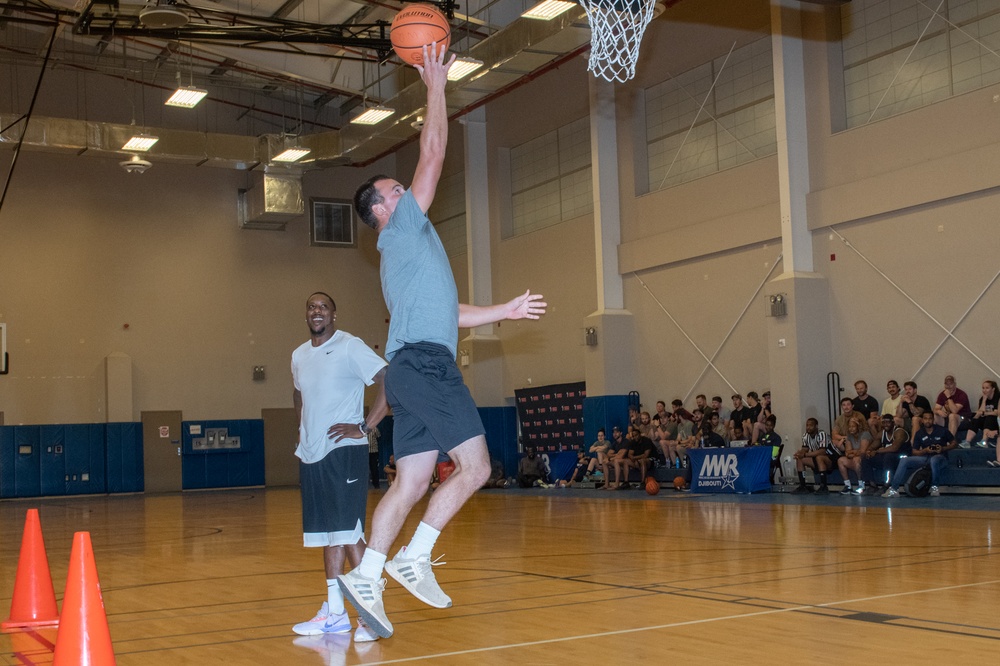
351	480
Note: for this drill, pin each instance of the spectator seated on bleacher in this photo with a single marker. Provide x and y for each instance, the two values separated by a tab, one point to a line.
930	449
863	402
983	425
639	456
911	407
617	451
765	411
952	408
599	454
890	405
814	454
711	433
719	428
667	440
855	447
882	457
750	413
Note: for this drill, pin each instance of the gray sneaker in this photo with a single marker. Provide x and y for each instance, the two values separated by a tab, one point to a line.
365	594
417	576
935	492
890	492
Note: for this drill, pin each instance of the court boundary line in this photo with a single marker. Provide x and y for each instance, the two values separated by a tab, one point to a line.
687	623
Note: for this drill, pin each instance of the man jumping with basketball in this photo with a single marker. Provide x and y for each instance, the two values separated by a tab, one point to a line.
433	409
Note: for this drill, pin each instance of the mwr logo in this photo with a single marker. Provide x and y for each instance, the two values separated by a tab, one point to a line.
719	471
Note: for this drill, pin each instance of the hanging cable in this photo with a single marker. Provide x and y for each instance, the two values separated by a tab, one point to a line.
27	116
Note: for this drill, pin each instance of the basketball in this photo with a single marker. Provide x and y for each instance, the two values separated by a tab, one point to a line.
679	483
652	486
416	25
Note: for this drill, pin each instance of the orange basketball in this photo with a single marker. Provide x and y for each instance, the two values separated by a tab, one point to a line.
416	25
679	483
652	486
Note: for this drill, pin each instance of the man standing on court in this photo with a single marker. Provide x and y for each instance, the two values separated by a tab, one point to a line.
433	410
330	372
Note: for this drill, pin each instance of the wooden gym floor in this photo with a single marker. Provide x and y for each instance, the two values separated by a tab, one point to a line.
545	577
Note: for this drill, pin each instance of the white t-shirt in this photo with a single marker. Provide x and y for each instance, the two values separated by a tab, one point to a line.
332	380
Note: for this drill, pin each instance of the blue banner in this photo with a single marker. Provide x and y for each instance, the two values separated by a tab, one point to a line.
739	470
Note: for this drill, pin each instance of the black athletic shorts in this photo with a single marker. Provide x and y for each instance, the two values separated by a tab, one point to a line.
432	408
335	497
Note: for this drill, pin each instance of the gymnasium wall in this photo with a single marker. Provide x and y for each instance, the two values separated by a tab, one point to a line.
88	249
915	194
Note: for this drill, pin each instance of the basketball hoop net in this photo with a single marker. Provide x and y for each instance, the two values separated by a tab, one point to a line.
616	28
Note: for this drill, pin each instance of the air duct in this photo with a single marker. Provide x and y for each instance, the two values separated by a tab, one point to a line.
270	202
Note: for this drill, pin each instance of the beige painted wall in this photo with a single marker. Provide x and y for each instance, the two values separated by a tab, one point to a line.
88	249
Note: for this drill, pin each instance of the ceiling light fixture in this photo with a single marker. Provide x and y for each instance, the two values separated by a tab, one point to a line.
140	142
164	14
186	97
293	154
136	164
373	115
548	9
462	67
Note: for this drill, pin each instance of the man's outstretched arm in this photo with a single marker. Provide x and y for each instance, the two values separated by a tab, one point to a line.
525	306
434	135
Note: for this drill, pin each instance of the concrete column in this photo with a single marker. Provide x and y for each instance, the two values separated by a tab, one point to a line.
610	364
480	354
798	342
793	142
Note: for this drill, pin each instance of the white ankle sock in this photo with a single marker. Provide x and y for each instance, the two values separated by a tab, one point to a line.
334	597
422	542
372	564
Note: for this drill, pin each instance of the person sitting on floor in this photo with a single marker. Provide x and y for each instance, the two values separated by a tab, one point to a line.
531	470
578	473
390	471
930	449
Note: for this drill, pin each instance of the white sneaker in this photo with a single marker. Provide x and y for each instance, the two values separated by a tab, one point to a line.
860	488
365	594
890	492
364	633
324	623
935	492
417	576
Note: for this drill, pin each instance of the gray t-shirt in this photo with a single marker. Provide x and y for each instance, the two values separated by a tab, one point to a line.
417	282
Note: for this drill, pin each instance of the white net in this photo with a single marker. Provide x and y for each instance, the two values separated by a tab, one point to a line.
616	28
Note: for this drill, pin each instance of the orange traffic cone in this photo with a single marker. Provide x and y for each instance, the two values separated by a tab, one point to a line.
34	602
83	638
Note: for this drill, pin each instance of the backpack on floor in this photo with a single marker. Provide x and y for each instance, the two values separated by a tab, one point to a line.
919	483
